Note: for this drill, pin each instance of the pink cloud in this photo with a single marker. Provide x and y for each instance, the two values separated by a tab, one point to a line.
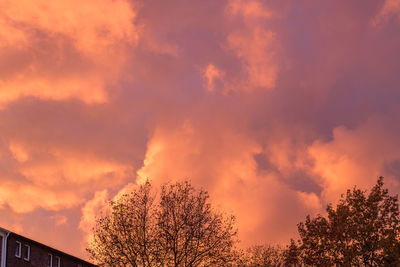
355	157
211	74
274	107
61	52
254	44
391	8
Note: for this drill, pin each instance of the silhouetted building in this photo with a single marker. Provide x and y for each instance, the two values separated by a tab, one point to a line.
19	251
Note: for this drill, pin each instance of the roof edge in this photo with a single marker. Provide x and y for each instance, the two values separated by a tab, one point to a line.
4	231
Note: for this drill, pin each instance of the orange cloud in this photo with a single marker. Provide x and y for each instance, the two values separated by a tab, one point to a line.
54	50
19	152
76	170
354	157
248	9
92	28
91	211
254	44
222	161
58	89
211	73
303	106
390	8
93	208
22	197
57	180
60	219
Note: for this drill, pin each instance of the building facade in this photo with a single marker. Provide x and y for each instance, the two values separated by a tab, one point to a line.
19	251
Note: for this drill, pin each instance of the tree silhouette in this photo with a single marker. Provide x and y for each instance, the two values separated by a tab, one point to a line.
363	230
126	237
182	229
259	256
291	255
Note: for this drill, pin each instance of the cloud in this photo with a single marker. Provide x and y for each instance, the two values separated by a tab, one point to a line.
19	152
211	74
57	163
93	208
53	50
255	50
274	107
22	197
60	219
391	8
248	9
222	160
356	157
59	181
254	44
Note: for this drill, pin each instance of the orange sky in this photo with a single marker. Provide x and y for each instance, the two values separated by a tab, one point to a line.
274	107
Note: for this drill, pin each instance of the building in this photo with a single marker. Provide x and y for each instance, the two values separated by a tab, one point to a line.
19	251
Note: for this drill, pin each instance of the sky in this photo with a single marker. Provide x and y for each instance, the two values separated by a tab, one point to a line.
274	107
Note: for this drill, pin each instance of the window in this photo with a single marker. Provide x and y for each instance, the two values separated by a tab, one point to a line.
58	262
18	249
27	252
49	260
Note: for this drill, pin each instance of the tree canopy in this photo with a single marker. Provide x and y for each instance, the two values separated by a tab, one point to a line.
362	230
178	228
181	228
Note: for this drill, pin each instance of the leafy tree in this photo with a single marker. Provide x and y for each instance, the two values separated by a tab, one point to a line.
363	230
291	255
260	256
179	228
265	255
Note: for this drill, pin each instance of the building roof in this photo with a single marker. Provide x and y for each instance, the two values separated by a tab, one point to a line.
36	243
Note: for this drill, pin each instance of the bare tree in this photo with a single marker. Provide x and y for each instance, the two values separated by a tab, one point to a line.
192	233
181	230
126	236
